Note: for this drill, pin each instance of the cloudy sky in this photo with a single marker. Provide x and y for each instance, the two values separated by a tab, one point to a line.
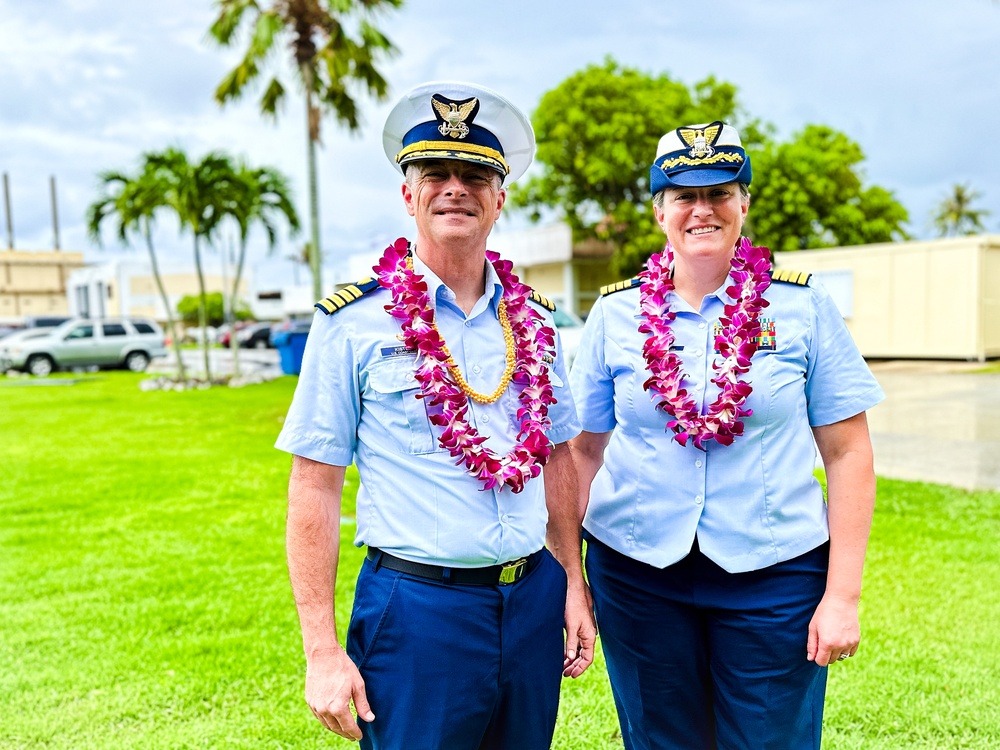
88	85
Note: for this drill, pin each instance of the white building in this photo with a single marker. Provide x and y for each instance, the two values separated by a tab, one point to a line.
126	287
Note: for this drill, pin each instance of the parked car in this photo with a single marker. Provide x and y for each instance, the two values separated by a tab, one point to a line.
196	335
21	334
296	324
45	321
33	322
114	342
224	334
6	330
255	336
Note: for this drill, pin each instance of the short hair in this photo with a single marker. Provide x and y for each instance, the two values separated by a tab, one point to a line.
658	196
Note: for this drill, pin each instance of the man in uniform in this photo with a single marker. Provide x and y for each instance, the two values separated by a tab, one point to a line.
441	377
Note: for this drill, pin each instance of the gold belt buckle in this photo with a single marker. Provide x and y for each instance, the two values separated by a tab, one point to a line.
512	571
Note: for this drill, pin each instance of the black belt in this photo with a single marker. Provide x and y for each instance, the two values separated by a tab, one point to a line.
493	575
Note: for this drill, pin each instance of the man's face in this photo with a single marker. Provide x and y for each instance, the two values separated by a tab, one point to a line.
453	200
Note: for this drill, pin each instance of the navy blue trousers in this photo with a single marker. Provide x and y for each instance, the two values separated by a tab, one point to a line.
702	659
457	667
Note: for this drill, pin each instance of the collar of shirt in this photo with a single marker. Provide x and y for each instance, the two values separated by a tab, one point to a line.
438	291
680	305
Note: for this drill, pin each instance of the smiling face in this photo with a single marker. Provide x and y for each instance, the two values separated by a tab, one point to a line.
453	200
702	222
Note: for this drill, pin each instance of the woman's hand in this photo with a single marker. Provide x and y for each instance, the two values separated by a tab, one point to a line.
834	630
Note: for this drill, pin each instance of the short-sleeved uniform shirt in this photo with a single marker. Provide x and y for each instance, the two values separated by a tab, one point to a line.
751	504
356	402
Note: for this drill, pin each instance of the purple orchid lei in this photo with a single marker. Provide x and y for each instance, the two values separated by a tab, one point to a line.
533	342
750	276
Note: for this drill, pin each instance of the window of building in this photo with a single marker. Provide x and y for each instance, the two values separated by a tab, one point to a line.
82	301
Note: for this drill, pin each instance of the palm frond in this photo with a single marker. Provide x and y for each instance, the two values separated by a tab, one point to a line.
268	27
273	96
230	17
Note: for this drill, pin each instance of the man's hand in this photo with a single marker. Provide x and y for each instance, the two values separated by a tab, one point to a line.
581	630
833	630
332	683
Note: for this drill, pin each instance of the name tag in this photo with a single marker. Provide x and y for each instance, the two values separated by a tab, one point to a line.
396	351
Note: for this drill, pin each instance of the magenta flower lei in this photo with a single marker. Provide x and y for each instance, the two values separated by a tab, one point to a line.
737	343
533	342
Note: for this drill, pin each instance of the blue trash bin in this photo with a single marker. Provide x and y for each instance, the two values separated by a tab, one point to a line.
291	345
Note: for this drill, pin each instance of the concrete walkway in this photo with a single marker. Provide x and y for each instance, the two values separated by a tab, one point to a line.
940	422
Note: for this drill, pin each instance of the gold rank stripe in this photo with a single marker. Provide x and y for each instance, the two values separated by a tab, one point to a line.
791	277
619	286
347	295
424	148
543	301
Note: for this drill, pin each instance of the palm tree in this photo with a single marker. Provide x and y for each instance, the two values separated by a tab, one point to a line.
329	59
261	196
198	193
132	201
956	216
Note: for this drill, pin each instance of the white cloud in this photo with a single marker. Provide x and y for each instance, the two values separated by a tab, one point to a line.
89	85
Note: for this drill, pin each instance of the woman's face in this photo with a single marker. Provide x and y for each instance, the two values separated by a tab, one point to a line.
703	221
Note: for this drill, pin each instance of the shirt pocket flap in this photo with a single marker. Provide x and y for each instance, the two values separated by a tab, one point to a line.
393	377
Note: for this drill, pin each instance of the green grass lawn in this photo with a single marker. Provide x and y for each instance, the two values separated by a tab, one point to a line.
144	601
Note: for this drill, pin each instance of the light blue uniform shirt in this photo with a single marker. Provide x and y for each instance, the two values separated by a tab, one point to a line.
356	402
751	504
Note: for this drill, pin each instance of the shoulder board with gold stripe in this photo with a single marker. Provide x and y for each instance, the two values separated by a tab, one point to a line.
620	286
543	301
790	277
347	295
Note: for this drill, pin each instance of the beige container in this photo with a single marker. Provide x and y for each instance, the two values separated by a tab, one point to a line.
924	300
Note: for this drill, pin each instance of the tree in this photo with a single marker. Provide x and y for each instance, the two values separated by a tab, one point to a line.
261	196
955	215
329	57
597	134
807	193
132	201
190	305
198	192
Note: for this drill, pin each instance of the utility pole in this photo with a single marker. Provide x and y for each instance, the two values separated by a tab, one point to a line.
55	213
10	218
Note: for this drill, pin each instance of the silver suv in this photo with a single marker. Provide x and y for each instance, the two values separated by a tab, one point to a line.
120	342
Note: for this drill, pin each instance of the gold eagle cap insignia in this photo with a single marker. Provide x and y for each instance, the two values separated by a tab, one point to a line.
453	116
700	140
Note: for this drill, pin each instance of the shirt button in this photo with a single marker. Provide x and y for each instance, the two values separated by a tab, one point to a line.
486	417
701	325
698	463
505	518
411	376
698	353
468	323
697	500
477	369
